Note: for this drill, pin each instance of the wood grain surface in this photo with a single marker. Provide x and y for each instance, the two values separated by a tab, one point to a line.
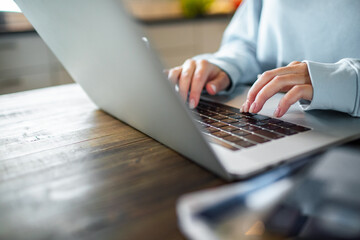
70	171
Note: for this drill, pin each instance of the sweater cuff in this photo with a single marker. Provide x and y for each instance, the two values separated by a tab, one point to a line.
229	69
335	86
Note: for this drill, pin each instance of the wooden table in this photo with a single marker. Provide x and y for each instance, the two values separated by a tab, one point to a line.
70	171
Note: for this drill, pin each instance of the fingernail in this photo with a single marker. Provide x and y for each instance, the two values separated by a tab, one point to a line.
242	109
213	87
277	112
192	104
246	106
253	107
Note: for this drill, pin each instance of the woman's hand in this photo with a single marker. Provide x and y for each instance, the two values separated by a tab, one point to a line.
293	79
194	75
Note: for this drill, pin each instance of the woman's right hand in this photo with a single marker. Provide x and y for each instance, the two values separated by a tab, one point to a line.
195	75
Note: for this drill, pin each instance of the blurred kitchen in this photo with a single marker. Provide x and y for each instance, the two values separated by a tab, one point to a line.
177	29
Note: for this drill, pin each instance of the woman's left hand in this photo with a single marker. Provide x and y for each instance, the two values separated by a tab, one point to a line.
293	79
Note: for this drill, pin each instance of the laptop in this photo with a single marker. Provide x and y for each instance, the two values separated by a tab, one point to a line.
101	47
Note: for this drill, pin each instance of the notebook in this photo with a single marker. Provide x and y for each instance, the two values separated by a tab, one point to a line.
100	45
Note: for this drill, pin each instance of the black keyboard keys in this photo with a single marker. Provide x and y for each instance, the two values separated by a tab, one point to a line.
236	130
219	117
260	117
240	133
229	128
218	124
233	139
211	130
239	124
251	128
270	126
220	134
235	116
229	120
209	121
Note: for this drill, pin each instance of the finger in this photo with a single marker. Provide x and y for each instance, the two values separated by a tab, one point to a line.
185	78
268	76
218	84
203	70
245	107
294	63
274	86
302	68
174	74
295	94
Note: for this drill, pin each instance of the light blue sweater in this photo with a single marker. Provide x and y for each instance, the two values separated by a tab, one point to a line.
266	34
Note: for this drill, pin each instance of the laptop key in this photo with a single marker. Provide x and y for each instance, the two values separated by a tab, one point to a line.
220	134
256	138
211	129
229	120
240	133
222	143
239	142
260	117
232	139
239	124
268	134
251	128
200	112
219	117
249	120
286	124
208	121
203	111
226	113
208	113
229	128
248	114
218	124
274	121
260	123
270	126
210	108
236	116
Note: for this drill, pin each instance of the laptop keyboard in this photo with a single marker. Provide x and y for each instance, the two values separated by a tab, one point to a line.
228	127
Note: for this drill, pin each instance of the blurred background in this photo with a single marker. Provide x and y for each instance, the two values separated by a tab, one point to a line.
177	29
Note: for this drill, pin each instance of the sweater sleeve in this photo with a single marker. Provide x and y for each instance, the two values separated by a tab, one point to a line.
237	54
336	86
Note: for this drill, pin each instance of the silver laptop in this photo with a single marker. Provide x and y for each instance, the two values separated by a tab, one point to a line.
101	47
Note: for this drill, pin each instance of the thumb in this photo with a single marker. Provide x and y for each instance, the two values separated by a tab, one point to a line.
218	84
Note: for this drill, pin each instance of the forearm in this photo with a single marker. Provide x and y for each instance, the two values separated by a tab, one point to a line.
336	86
